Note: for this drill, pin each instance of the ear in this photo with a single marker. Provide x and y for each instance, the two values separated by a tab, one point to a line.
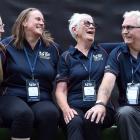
73	29
24	23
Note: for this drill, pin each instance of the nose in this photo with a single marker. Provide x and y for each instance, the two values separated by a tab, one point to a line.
42	22
124	30
2	30
92	26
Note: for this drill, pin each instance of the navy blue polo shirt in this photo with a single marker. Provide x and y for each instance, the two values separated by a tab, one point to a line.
121	63
72	71
16	67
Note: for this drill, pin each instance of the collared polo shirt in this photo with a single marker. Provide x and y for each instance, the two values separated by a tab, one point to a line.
121	63
17	70
72	71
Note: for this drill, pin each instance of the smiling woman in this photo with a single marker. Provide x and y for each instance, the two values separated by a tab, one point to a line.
29	66
80	71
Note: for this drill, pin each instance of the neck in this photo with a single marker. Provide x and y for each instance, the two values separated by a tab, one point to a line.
83	48
32	41
134	53
134	48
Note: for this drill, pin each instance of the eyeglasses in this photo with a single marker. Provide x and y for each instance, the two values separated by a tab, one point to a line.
87	24
129	27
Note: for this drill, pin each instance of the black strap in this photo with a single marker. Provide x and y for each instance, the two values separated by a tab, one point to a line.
100	103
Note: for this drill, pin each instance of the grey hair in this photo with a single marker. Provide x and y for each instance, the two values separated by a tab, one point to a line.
75	20
133	14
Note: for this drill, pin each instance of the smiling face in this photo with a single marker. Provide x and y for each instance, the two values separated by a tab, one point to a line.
85	30
34	23
131	31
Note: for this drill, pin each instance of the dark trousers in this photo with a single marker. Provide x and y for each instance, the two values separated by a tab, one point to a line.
128	122
21	117
80	128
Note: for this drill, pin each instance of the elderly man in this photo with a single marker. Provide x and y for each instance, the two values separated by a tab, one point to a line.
124	65
1	27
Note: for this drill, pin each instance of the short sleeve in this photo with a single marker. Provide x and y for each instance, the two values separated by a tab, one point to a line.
112	65
63	69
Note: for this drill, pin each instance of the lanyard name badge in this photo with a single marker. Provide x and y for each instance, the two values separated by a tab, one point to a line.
32	85
132	91
88	86
89	93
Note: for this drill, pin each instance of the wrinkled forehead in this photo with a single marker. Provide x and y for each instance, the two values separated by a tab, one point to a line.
130	21
87	18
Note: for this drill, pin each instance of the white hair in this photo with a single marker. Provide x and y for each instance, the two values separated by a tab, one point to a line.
75	20
133	14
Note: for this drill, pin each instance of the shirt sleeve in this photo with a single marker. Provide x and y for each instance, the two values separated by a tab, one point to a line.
63	69
112	65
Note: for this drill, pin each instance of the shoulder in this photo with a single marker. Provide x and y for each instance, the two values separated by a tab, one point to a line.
102	50
7	41
56	48
108	47
65	55
120	49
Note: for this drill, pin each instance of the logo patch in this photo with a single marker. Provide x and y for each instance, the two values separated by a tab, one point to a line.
98	57
44	55
107	67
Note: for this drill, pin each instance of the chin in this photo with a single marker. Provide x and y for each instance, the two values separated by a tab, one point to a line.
39	34
128	41
91	39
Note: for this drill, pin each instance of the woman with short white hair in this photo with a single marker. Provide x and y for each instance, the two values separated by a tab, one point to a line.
80	71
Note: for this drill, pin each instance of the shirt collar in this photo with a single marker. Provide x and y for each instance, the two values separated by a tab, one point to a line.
27	45
125	48
74	51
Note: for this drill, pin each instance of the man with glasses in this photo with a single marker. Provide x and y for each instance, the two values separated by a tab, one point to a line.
1	27
124	66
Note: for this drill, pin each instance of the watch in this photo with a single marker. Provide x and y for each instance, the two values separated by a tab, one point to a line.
100	103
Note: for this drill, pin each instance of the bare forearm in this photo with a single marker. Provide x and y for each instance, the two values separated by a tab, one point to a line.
61	95
62	101
106	88
104	95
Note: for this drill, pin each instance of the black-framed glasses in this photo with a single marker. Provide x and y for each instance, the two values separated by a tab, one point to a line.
88	24
129	27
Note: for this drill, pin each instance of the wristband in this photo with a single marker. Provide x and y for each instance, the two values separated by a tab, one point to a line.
100	103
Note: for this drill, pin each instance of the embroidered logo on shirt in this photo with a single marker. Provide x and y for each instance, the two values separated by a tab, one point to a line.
98	57
44	55
107	67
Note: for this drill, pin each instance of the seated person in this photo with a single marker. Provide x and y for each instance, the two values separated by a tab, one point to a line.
80	71
29	60
124	66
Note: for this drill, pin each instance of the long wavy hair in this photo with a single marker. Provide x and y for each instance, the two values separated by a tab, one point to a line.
18	29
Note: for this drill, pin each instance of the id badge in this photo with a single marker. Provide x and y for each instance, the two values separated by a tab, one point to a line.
33	93
89	93
132	93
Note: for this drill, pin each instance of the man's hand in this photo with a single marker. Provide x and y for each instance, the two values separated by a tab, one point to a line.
68	114
96	113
